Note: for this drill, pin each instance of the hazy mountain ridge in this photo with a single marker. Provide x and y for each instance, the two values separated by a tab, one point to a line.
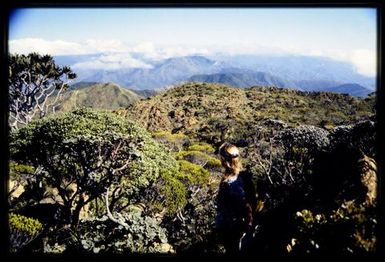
350	88
247	79
300	72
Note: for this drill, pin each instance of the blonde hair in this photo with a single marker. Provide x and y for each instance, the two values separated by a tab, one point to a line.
230	158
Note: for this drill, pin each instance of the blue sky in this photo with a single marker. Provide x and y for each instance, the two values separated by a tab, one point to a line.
342	33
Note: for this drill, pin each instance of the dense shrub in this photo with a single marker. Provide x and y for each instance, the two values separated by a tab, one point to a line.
22	231
174	142
143	235
348	229
90	151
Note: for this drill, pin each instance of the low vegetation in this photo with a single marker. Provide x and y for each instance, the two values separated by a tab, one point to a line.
145	179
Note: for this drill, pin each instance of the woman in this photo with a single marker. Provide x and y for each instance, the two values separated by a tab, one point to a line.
236	201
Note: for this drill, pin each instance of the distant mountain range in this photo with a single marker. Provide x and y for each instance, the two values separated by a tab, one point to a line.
352	89
242	79
304	73
263	79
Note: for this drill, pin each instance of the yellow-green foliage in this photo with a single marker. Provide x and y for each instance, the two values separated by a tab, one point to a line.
168	135
182	155
174	191
203	147
16	169
192	174
309	219
354	218
26	225
175	184
174	142
350	210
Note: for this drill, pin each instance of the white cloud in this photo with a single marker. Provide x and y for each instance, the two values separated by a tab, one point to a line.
363	60
92	46
244	47
144	47
59	47
101	46
149	51
112	62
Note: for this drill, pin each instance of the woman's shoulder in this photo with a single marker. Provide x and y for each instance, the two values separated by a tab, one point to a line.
245	174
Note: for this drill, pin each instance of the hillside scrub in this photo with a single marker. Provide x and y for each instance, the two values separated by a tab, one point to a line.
298	145
312	157
96	95
214	112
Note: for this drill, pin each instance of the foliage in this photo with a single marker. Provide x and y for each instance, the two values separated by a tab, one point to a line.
22	231
18	178
16	170
360	135
347	229
320	173
199	158
312	138
192	173
89	151
173	193
313	194
97	95
173	189
34	78
214	112
143	235
203	147
189	197
191	231
174	142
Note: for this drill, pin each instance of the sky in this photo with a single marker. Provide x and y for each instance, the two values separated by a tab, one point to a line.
347	34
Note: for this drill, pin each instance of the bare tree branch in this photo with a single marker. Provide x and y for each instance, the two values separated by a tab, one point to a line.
109	214
32	81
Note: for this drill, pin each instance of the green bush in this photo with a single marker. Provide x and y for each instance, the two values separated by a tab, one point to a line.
174	186
169	136
173	193
22	231
143	234
348	229
203	147
174	142
93	150
192	174
199	158
19	175
17	169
